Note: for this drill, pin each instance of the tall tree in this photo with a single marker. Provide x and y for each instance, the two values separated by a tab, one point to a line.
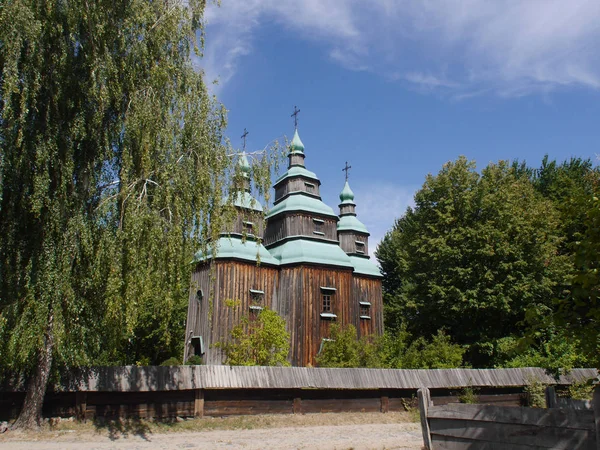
112	171
472	257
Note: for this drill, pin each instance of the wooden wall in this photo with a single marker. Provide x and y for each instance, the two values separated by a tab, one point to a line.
366	289
457	426
295	185
300	302
299	224
348	242
227	298
225	402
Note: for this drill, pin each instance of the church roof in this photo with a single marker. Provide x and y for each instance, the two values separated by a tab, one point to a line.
364	266
297	171
311	251
300	202
233	247
244	199
351	223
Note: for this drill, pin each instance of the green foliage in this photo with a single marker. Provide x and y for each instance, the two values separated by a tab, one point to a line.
263	341
112	173
535	392
553	350
171	362
342	349
392	350
194	360
468	395
582	390
476	252
578	310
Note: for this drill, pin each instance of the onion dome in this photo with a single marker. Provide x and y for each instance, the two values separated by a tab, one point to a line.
244	165
347	196
296	146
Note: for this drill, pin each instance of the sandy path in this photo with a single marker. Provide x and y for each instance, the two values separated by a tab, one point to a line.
368	436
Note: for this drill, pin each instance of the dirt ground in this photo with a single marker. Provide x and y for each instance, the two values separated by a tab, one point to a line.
311	431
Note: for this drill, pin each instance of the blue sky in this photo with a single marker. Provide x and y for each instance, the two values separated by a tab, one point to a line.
397	88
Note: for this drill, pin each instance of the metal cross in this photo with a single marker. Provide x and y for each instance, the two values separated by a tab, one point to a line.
243	136
346	169
295	116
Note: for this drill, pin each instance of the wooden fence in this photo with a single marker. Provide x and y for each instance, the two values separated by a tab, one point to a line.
461	427
224	390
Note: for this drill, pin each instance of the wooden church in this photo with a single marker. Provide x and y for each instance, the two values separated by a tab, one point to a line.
310	265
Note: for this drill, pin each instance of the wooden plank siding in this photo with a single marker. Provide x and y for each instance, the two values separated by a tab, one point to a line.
229	299
297	185
300	224
366	289
460	427
348	242
301	304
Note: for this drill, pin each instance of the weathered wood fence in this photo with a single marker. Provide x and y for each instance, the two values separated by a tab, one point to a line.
224	390
461	427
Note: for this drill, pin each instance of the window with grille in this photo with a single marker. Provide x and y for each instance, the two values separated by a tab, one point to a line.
318	227
326	303
256	300
328	296
364	310
360	246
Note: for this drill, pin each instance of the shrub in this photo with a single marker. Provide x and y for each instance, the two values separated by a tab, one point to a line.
172	361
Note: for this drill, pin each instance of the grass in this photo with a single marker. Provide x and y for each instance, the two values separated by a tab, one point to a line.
116	429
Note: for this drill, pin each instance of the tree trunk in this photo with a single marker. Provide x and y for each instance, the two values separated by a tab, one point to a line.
31	412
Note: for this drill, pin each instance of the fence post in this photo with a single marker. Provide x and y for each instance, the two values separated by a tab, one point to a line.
80	405
550	397
385	404
297	405
424	399
596	408
199	403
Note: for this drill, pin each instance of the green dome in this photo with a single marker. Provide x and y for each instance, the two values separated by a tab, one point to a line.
309	251
347	196
364	266
234	248
300	202
296	145
297	171
244	164
351	223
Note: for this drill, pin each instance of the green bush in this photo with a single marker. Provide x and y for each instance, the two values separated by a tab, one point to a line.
194	360
172	361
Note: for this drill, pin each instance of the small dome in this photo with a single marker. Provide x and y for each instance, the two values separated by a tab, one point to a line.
347	196
296	145
244	164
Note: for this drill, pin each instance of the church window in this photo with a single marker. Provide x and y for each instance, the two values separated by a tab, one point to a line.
318	227
364	310
360	246
328	295
310	188
248	227
256	300
326	303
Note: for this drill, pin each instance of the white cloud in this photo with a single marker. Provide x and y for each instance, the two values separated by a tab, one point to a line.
510	47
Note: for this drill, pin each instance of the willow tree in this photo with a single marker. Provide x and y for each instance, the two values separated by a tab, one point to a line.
112	171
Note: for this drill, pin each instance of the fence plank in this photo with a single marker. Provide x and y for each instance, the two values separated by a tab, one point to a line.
454	443
424	400
596	406
572	419
513	434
